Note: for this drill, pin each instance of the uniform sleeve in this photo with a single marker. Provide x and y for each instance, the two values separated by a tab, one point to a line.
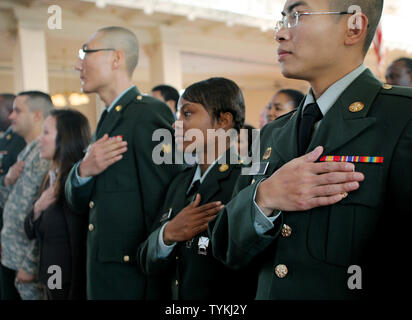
148	256
4	192
400	174
31	259
154	179
38	170
78	195
235	240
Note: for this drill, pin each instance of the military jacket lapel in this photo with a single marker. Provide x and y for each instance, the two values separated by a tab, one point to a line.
340	125
115	115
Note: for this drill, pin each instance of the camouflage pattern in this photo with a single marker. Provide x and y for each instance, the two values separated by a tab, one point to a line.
18	252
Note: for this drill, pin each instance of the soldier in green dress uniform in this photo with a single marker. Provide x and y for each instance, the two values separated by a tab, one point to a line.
118	179
339	168
180	246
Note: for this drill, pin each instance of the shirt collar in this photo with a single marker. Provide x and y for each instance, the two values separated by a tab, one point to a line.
198	173
330	96
115	101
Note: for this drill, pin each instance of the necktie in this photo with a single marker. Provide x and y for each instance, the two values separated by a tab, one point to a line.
311	115
99	124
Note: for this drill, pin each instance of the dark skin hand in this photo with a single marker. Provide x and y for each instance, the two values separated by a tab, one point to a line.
191	221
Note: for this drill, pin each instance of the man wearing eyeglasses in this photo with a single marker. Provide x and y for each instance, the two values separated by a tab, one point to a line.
117	178
326	216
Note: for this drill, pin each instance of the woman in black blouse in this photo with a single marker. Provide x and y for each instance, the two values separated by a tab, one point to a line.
60	231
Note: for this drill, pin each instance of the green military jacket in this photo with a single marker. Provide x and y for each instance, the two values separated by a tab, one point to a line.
308	254
13	144
124	199
191	268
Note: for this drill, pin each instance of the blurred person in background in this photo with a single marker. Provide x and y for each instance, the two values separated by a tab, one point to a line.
168	95
10	143
399	73
282	102
60	231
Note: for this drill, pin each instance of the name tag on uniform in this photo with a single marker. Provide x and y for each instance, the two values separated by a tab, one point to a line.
256	169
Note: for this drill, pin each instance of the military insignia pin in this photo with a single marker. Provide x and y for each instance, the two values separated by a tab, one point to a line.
356	107
223	167
202	245
267	153
167	148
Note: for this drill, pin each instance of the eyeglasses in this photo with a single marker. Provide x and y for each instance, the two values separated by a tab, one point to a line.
291	20
83	51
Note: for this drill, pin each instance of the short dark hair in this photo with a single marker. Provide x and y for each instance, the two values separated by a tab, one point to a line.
73	137
168	92
295	95
8	99
217	96
38	101
407	61
371	8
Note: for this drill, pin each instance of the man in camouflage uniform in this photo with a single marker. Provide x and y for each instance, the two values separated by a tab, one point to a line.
18	191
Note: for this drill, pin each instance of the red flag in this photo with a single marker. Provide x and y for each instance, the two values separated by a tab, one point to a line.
378	44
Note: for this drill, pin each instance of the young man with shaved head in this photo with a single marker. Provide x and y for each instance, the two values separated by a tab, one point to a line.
338	176
117	178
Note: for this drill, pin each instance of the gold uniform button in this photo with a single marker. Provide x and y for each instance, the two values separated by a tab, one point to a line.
118	108
177	283
177	258
91	227
281	271
8	137
139	97
91	204
253	181
286	231
126	258
387	86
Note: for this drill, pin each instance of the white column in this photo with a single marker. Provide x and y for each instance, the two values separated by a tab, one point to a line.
165	59
30	58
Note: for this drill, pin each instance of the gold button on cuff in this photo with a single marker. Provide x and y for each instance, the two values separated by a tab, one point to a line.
281	271
91	227
139	97
387	86
91	204
286	231
126	258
